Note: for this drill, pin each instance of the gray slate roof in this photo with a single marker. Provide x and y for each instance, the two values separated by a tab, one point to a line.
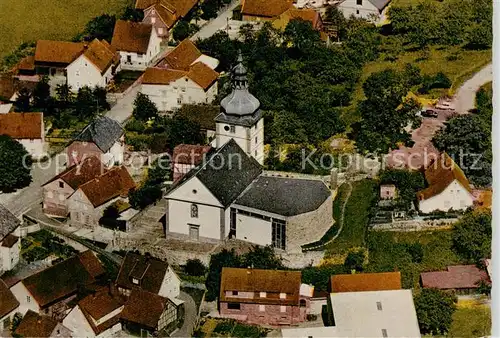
8	222
380	4
103	131
226	173
284	196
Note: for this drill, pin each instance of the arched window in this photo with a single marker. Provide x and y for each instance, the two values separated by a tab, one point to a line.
303	302
194	211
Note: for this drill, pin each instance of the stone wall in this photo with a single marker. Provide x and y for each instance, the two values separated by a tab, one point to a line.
415	225
300	260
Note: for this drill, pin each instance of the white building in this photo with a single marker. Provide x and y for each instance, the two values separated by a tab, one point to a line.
137	43
373	10
10	242
170	89
9	305
367	314
26	128
241	118
448	187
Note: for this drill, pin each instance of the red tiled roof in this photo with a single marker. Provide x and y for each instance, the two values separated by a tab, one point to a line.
199	73
101	54
115	182
273	282
366	282
27	63
100	303
22	125
166	14
58	51
189	153
91	263
78	174
144	308
161	76
149	271
182	56
203	75
131	36
456	277
265	8
8	302
178	7
9	241
35	325
440	174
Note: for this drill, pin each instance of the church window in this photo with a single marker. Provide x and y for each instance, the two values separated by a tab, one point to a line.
232	129
226	128
194	211
256	140
278	233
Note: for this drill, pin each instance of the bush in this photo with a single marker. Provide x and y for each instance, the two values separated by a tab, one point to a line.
135	125
311	317
144	196
416	252
355	261
139	142
435	309
194	267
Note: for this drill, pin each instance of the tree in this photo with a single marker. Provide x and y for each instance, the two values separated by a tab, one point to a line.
219	260
144	196
23	101
435	309
144	108
64	95
111	212
85	103
407	183
101	27
209	9
262	258
416	252
471	236
41	93
182	30
194	267
159	171
16	165
337	19
354	261
132	14
181	130
101	101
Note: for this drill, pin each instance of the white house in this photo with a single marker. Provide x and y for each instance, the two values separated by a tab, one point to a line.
9	305
169	88
10	242
149	274
448	188
373	10
97	315
137	43
389	313
26	128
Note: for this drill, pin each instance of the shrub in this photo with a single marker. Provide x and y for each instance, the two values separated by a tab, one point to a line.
144	196
416	252
194	267
311	317
138	142
135	125
435	309
355	261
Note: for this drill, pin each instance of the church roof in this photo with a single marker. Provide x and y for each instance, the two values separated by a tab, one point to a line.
227	173
278	195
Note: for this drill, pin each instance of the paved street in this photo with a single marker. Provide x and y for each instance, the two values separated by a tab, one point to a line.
190	315
466	94
216	24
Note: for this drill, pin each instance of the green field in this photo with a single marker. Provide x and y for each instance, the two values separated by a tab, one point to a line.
469	322
29	20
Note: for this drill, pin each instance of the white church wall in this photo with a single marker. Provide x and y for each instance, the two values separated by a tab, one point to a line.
253	229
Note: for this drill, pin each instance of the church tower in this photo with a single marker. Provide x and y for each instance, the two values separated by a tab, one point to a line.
240	117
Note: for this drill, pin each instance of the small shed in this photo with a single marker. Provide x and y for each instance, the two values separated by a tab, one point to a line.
388	191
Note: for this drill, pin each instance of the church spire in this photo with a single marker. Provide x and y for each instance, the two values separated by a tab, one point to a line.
240	80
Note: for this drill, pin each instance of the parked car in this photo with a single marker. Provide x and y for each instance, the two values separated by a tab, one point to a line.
430	113
445	104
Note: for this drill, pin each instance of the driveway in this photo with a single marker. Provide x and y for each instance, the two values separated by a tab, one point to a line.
465	98
218	23
190	315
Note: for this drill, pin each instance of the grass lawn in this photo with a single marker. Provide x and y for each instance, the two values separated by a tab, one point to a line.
28	20
211	327
440	60
41	244
355	218
388	251
471	321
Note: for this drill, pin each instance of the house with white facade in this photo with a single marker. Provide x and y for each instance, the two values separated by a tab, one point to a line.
97	315
448	188
27	129
169	89
149	274
9	305
104	138
76	64
137	43
37	325
372	10
10	243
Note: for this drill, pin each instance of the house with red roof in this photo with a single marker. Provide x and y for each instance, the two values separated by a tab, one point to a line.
463	279
27	129
448	188
36	325
8	306
185	157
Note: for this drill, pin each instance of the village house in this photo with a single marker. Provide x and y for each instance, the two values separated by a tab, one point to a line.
137	43
97	315
10	242
308	15
10	85
27	129
360	282
143	272
164	14
103	138
264	10
186	54
264	297
448	188
36	325
463	279
49	291
8	306
87	204
77	64
57	190
387	313
185	157
150	312
372	10
169	89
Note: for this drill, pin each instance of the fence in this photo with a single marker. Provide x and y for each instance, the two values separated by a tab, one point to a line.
415	225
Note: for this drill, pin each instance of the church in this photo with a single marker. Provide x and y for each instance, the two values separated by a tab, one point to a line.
228	195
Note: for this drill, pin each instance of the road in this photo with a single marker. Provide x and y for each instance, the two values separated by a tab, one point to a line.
216	24
190	314
465	98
